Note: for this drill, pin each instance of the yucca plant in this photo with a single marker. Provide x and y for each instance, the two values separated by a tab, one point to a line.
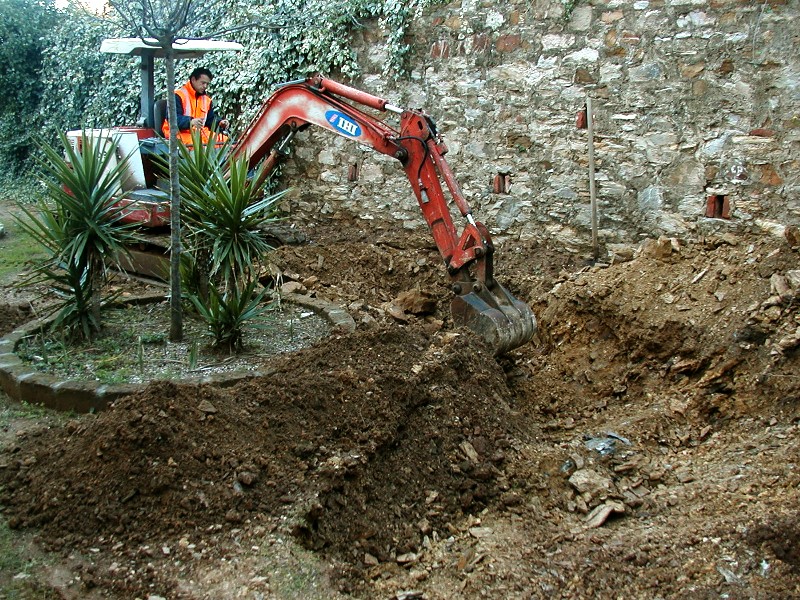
79	227
229	314
199	163
223	205
196	167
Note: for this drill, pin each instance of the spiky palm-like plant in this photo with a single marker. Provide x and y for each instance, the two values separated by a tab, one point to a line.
223	207
222	210
230	313
79	226
196	167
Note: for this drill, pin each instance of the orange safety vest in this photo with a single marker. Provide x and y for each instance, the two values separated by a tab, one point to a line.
194	107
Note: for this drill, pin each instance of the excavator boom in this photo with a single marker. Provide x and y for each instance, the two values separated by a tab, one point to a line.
480	302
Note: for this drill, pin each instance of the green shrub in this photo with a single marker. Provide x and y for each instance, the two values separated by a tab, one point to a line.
24	27
228	314
223	207
79	228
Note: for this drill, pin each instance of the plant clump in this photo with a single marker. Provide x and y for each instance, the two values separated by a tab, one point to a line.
224	206
80	228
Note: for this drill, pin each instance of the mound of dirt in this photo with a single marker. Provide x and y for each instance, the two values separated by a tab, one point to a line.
340	436
643	445
13	315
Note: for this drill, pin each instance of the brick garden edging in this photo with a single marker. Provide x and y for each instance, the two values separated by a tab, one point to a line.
23	383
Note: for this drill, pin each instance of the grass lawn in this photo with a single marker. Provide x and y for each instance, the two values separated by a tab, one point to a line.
17	250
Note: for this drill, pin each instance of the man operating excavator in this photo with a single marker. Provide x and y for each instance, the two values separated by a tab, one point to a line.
196	110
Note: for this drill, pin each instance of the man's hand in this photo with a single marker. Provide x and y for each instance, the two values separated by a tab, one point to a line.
223	124
197	123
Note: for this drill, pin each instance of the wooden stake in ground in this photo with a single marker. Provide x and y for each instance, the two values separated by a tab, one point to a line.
592	195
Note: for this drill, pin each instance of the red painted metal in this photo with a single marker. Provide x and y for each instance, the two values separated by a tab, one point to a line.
144	213
345	91
142	133
481	303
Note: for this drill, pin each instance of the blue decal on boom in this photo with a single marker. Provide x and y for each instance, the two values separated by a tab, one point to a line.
342	123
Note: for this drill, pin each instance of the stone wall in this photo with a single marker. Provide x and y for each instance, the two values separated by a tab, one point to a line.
696	113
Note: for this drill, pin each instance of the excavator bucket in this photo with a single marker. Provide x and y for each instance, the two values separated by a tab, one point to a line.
494	314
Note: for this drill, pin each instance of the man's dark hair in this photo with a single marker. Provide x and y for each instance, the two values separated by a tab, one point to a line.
201	71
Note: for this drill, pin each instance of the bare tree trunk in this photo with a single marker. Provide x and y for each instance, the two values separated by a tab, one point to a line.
95	283
176	310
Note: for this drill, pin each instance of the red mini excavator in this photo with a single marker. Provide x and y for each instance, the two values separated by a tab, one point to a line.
479	302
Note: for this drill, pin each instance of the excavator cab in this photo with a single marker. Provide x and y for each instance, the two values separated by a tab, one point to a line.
148	51
145	202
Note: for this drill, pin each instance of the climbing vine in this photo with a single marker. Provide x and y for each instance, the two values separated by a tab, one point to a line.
22	25
569	7
83	88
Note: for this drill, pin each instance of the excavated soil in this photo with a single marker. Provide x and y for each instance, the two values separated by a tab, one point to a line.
646	444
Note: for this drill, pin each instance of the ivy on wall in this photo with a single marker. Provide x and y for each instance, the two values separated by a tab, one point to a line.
22	25
569	8
310	36
84	88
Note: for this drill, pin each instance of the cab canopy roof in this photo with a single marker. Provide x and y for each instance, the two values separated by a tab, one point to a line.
149	47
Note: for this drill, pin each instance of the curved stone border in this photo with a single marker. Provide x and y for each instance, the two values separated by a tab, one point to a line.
25	384
339	318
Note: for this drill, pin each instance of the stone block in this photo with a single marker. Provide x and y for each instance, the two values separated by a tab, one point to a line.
508	43
440	49
581	19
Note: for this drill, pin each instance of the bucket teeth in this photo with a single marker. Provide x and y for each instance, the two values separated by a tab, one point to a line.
498	317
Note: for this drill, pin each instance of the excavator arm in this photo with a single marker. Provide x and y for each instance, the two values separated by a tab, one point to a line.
480	302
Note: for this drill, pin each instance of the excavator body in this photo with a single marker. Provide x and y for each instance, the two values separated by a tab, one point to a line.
480	302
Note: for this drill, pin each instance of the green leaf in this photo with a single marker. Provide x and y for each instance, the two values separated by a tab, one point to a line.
229	314
79	226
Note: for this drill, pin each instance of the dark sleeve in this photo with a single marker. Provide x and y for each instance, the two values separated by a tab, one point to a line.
184	122
212	119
